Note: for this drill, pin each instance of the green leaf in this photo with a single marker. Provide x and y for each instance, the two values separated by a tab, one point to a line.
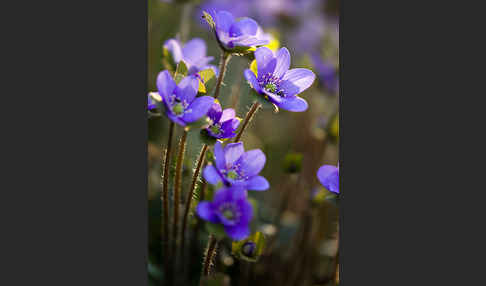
180	72
201	88
209	79
249	249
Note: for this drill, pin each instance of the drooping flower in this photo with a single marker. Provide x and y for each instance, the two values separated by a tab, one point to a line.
276	82
328	175
237	35
229	208
180	101
193	53
223	123
235	167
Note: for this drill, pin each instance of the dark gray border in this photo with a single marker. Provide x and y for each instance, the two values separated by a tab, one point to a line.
74	156
408	113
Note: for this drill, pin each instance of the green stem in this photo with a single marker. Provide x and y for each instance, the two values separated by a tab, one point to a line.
165	199
200	161
225	57
249	116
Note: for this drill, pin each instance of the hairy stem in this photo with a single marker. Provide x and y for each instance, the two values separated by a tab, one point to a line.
165	199
209	255
200	161
225	57
249	116
178	182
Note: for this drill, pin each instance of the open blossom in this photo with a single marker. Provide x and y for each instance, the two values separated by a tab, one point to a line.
276	82
235	167
328	175
237	35
223	123
180	101
230	208
193	53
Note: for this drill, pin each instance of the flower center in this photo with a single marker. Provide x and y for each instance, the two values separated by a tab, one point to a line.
271	84
216	129
232	175
228	214
270	87
178	109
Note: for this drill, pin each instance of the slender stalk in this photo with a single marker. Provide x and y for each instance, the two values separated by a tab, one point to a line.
185	21
165	199
178	183
249	116
225	57
195	238
200	161
209	256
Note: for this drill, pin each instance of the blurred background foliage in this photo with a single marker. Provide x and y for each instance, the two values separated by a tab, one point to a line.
297	216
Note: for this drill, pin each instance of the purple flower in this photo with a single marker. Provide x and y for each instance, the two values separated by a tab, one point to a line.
180	101
308	35
223	123
193	53
237	35
327	73
276	82
237	8
328	175
235	167
151	105
231	209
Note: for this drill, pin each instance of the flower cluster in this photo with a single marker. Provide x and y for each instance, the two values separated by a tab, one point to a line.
233	171
238	171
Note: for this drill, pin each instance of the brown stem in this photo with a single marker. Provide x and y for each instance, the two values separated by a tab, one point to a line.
209	255
165	199
222	69
249	116
178	182
200	161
